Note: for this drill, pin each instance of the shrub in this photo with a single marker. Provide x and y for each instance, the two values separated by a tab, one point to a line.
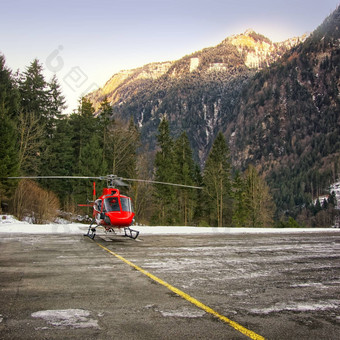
34	202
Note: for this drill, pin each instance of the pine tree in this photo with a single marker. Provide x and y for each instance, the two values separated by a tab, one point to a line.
61	160
56	105
9	94
57	102
185	174
165	197
240	211
217	182
107	123
87	146
8	155
34	91
86	134
8	140
34	122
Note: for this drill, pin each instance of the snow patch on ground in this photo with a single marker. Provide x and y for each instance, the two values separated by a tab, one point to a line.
75	318
8	224
298	307
183	313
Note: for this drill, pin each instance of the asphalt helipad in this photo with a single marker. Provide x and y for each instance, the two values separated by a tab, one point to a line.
283	286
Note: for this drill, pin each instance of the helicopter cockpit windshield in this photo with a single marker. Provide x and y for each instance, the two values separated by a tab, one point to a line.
126	204
111	204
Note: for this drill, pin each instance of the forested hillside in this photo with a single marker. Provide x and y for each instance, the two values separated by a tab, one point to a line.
197	93
253	123
288	119
277	105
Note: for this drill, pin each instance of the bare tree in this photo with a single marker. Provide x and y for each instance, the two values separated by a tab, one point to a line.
260	204
30	131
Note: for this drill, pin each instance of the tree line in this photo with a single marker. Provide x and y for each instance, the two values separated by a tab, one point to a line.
37	139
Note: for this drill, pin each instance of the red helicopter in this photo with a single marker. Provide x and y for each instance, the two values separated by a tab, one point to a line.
111	210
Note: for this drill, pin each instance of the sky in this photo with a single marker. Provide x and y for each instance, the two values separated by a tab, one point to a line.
85	42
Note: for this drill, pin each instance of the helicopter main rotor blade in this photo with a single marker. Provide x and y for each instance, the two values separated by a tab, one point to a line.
111	178
55	177
119	182
165	183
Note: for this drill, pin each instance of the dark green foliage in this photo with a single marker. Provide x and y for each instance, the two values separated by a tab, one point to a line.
8	156
217	183
61	159
9	153
9	95
239	195
56	100
165	196
34	91
185	174
290	223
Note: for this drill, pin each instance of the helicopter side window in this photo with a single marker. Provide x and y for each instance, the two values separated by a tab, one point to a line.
126	204
111	204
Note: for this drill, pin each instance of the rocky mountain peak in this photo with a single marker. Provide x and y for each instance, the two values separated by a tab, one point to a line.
238	53
258	50
111	88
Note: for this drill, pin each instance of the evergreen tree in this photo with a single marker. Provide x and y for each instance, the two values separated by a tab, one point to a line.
165	195
8	156
35	120
60	160
217	182
9	94
107	123
86	133
57	101
87	146
56	105
34	91
8	141
240	211
106	111
185	174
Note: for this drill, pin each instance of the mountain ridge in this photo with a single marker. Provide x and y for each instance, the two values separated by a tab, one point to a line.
278	105
248	44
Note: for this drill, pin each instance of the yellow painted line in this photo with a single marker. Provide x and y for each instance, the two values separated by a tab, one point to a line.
235	325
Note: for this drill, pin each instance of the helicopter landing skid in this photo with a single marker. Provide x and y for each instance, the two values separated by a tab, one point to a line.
131	233
91	232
